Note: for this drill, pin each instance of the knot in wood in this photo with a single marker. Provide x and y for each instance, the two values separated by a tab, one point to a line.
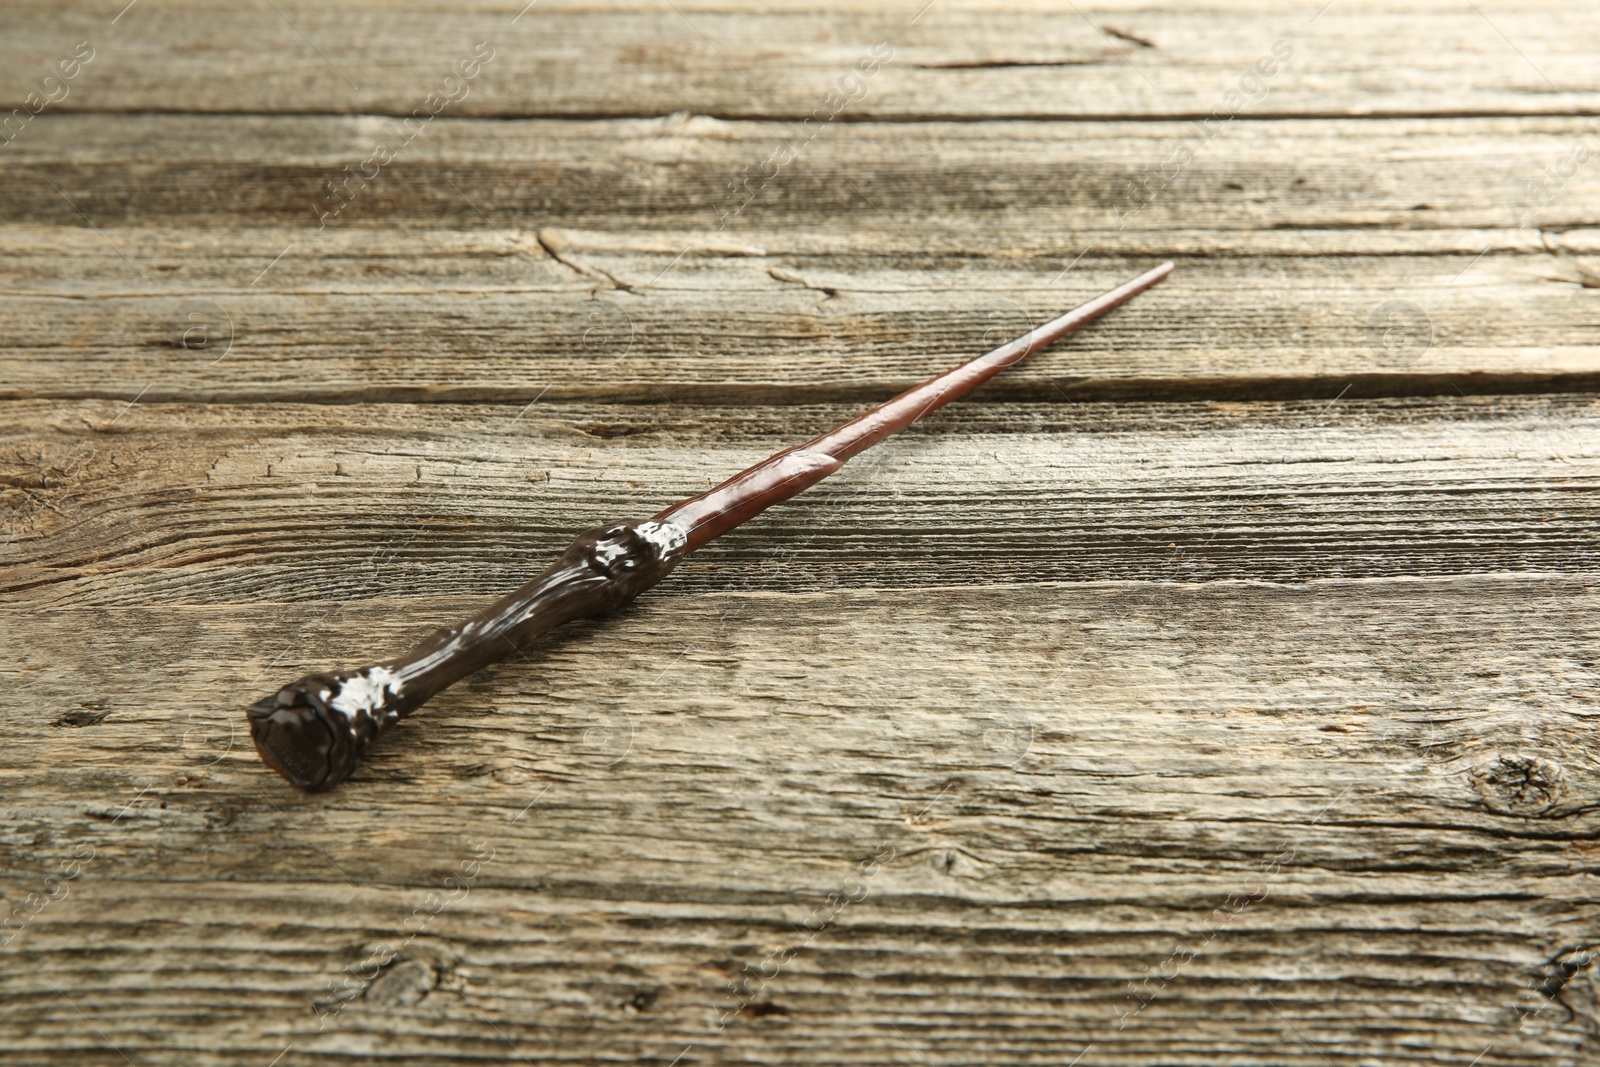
403	985
1514	783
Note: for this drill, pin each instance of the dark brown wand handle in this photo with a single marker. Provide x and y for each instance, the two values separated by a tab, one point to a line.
315	731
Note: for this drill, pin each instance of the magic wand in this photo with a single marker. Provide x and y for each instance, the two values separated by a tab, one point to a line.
315	731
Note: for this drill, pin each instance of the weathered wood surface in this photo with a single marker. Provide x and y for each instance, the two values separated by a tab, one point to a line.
963	60
1291	257
974	187
1231	698
281	502
1071	778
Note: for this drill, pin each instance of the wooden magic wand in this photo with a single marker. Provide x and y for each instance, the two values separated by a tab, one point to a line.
315	731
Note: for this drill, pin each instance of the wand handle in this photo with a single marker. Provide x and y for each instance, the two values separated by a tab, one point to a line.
315	730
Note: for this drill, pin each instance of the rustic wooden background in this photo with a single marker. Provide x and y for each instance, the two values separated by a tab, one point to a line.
1218	688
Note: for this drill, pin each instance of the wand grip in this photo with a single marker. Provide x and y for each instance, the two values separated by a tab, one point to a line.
314	731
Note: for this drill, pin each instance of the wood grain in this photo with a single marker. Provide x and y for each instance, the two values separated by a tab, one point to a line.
285	502
982	183
974	60
474	277
1070	785
1218	687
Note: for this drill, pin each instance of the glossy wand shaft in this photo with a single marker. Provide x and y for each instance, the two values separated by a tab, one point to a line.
750	492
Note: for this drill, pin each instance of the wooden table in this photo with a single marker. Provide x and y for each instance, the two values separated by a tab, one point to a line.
1217	688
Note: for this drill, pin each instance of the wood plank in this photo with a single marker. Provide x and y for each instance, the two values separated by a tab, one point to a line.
118	506
957	60
982	180
455	316
1284	295
1072	779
